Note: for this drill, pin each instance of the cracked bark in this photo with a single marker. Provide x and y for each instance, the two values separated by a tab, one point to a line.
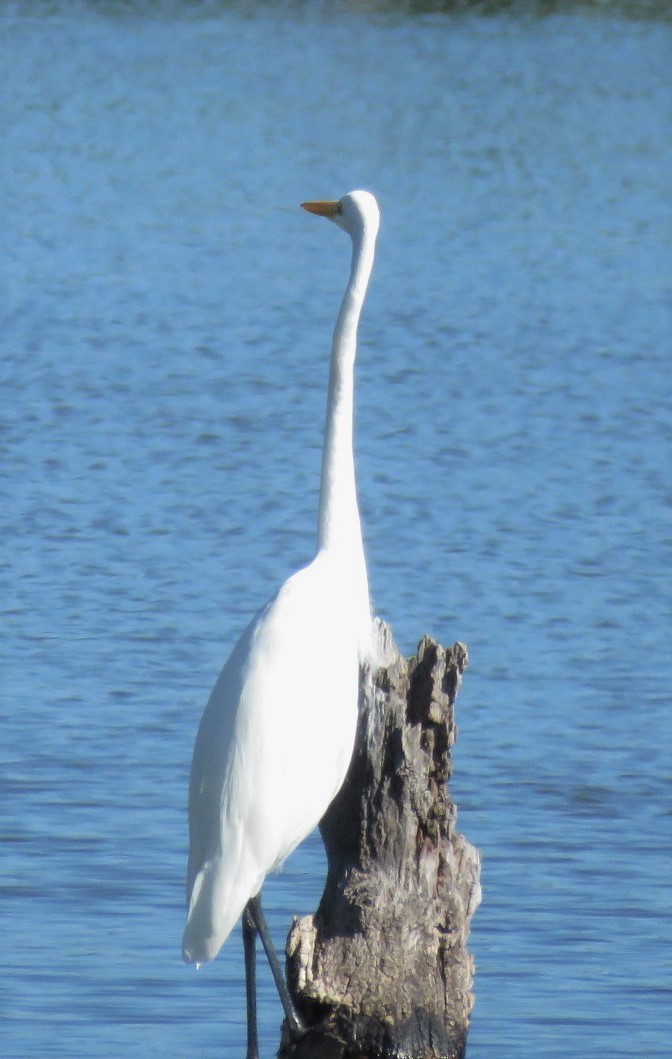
381	970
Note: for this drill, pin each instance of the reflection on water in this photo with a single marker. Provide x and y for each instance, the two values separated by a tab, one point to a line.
167	312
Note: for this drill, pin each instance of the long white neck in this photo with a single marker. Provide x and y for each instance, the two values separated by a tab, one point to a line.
340	530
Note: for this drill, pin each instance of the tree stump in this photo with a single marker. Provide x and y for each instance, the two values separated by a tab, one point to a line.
382	969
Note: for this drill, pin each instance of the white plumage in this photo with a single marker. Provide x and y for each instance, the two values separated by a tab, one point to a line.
277	734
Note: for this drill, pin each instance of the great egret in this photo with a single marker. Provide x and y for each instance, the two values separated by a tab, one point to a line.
277	733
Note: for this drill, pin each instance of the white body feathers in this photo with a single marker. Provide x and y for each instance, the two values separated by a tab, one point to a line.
277	734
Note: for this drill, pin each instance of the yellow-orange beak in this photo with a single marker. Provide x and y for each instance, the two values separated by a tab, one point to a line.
322	209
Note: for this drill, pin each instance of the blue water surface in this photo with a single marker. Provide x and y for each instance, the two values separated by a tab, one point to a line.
166	319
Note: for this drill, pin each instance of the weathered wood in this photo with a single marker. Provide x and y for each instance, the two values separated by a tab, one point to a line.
382	969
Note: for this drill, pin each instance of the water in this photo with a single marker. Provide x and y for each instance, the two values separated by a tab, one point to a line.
167	312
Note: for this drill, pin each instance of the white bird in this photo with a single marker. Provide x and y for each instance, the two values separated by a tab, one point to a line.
277	733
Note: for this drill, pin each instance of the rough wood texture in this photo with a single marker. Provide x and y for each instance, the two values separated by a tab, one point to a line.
382	970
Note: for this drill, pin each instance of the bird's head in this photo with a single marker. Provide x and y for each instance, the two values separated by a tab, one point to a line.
355	212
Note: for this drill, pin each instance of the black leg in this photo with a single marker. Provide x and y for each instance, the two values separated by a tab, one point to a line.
249	946
253	909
